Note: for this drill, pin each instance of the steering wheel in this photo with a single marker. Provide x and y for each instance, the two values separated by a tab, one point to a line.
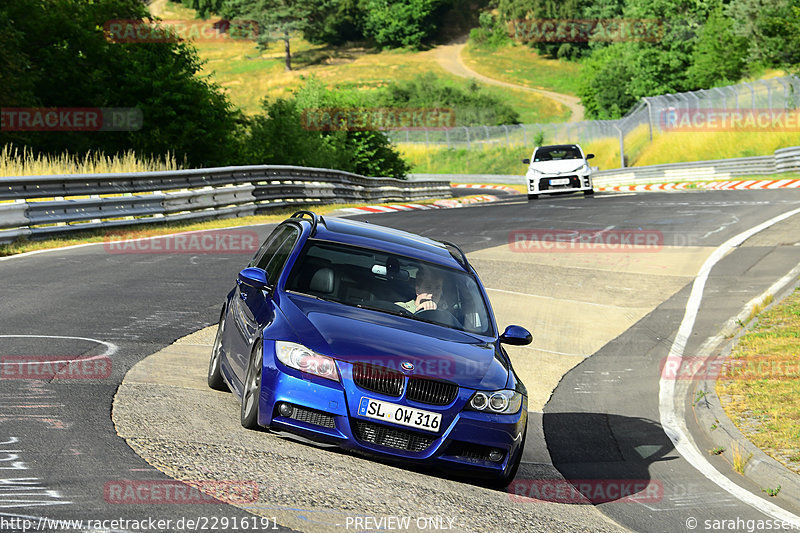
438	316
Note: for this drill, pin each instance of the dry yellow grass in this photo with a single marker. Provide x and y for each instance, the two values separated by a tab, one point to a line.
677	147
14	162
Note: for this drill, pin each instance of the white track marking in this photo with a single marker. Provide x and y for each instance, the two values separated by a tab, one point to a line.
75	246
111	348
673	421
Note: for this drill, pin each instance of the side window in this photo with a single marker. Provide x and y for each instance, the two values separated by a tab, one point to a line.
282	251
269	243
275	250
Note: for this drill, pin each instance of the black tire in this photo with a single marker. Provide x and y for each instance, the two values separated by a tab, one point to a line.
590	192
215	380
533	197
252	389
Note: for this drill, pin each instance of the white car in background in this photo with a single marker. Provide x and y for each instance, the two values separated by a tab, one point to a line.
558	168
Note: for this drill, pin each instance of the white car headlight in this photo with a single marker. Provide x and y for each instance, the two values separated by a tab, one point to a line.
301	358
504	402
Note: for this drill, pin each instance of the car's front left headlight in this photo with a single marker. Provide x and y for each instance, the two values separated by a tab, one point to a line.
303	359
501	402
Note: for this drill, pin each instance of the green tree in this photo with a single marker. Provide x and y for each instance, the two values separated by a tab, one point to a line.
772	27
278	19
397	23
620	74
473	106
282	134
720	56
204	8
68	61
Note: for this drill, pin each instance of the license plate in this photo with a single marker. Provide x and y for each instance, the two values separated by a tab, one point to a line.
560	181
399	414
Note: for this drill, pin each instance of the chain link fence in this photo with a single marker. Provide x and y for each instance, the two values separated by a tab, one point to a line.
658	113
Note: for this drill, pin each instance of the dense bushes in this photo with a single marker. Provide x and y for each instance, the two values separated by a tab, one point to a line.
56	54
687	45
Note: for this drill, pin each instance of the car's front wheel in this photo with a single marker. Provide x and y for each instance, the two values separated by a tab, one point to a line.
533	197
215	380
590	192
252	389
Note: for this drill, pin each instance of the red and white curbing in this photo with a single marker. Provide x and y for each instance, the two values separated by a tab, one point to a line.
709	185
438	204
492	187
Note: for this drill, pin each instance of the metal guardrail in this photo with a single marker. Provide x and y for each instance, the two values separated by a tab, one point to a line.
652	113
783	160
89	201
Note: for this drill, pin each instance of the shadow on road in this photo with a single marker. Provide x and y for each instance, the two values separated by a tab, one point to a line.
601	457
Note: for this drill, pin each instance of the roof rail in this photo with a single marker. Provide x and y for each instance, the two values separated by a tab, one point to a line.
315	219
461	257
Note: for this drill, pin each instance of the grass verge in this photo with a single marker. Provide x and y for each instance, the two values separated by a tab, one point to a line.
519	64
760	389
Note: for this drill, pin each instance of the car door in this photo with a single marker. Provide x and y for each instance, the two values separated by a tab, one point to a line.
251	308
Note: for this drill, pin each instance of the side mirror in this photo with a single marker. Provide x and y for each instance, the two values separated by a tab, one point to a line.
589	156
526	161
254	277
516	335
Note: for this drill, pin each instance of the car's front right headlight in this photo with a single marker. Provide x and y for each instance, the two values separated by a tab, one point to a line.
501	402
303	359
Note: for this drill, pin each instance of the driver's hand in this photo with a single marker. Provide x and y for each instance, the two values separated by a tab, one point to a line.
425	302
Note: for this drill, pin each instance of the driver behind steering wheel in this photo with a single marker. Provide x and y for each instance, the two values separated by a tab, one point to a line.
429	293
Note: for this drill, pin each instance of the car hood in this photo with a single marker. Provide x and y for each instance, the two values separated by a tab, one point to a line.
354	335
565	166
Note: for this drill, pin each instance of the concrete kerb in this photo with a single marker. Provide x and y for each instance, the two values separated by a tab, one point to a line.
714	422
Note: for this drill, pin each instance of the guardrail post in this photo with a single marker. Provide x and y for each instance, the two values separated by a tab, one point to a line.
466	129
621	147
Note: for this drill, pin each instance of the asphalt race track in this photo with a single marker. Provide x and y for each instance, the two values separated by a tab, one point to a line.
603	323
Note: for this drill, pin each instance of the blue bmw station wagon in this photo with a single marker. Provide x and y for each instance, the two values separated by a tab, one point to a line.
376	340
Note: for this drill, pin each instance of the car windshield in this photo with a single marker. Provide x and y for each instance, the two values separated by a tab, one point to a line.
557	153
394	284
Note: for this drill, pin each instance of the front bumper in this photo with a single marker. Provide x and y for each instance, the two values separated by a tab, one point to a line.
327	411
546	184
